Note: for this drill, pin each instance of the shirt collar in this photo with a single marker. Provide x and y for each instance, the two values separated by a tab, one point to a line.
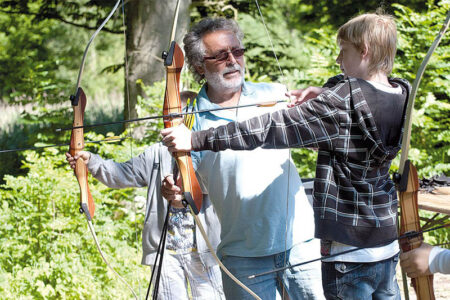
203	101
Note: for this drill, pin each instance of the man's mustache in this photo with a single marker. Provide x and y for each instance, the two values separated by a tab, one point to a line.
232	68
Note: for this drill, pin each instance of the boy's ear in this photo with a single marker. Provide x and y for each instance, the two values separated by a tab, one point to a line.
365	51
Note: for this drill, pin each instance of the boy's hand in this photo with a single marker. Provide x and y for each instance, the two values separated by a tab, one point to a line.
415	262
172	192
84	155
177	138
299	96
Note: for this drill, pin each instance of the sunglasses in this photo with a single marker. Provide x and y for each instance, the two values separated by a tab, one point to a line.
223	56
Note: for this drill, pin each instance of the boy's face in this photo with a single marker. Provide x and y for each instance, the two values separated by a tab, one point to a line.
352	61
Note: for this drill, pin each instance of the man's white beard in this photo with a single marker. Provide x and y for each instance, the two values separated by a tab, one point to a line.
218	82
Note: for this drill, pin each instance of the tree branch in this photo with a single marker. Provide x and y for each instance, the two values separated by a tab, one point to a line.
61	19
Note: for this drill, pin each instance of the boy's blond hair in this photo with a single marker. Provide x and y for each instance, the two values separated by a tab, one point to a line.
378	32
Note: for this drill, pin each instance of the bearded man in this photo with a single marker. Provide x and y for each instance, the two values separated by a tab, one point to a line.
266	219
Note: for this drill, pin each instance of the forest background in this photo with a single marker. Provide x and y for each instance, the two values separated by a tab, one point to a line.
47	251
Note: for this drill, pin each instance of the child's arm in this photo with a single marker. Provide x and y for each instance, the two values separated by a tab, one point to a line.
299	96
314	124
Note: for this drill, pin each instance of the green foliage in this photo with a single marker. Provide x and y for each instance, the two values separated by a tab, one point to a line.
47	249
27	73
430	139
311	14
436	237
40	57
305	161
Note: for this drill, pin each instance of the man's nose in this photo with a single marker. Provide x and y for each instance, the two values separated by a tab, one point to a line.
231	59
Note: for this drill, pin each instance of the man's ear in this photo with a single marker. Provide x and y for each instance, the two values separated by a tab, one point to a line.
200	70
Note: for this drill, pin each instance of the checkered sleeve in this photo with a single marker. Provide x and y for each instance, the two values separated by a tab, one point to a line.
314	124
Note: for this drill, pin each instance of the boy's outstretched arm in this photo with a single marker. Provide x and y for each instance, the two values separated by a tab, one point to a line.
314	124
177	139
299	96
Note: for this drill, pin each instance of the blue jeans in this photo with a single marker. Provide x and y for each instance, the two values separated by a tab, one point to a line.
303	282
343	280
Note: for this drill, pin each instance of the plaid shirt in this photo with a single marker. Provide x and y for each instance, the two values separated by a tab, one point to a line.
355	201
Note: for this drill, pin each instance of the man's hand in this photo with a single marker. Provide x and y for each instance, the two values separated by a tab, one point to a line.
177	139
415	262
299	96
172	192
84	155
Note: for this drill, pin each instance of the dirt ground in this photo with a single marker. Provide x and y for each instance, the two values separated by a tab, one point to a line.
441	286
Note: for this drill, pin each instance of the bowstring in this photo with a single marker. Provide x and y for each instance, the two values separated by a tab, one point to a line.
130	136
283	79
158	264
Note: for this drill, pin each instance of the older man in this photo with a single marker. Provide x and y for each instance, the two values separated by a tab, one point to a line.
266	218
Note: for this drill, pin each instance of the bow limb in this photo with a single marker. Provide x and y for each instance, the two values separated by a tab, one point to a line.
408	182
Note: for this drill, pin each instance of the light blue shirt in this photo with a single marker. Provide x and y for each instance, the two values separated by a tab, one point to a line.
258	195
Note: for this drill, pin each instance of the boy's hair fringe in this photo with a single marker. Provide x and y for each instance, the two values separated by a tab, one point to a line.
376	31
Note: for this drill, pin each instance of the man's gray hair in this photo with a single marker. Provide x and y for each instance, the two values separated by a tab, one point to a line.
193	45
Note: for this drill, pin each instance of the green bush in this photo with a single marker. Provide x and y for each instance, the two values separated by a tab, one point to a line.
47	251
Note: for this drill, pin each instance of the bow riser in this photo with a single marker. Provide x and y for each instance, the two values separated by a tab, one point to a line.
172	104
410	222
77	145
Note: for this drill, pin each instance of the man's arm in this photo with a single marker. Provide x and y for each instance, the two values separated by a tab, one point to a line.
425	260
132	173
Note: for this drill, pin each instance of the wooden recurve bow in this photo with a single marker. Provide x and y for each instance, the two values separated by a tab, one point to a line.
78	100
408	182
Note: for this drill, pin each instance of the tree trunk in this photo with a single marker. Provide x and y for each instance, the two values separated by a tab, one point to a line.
149	26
